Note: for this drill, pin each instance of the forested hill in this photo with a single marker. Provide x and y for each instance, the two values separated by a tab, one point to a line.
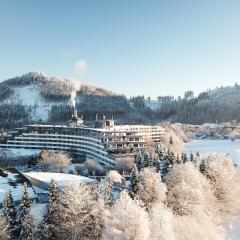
221	105
35	97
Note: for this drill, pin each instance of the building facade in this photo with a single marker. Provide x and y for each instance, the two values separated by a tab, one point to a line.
104	143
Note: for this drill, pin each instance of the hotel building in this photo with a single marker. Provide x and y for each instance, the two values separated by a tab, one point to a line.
105	142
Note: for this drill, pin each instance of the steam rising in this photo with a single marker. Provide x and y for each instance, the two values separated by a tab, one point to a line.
76	87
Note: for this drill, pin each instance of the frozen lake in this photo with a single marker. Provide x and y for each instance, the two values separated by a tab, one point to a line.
220	147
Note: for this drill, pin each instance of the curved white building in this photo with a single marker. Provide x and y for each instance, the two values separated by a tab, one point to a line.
104	143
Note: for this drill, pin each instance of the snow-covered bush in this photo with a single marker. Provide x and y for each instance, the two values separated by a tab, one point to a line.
161	223
114	176
189	192
152	189
196	227
83	215
127	221
225	179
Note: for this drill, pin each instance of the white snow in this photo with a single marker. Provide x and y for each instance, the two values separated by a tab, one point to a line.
30	95
17	191
62	179
37	211
20	152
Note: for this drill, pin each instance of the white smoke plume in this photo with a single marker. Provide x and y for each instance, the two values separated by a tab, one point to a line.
76	87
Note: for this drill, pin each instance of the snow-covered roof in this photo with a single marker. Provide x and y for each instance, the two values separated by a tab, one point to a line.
62	179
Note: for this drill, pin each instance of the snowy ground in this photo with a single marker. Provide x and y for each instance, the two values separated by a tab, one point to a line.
220	147
21	152
37	210
30	95
10	181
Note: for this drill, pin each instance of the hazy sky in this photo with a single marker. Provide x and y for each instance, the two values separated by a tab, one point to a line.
129	46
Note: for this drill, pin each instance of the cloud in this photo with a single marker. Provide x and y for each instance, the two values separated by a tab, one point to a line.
80	67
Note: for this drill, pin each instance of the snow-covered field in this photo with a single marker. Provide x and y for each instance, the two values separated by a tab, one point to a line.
220	147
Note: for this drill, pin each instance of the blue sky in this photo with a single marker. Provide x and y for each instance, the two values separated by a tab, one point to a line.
150	47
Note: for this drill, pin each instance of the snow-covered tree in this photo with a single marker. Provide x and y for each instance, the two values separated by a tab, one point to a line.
184	157
161	223
139	160
165	166
26	222
10	213
146	158
152	190
225	180
196	227
189	192
54	162
83	216
127	221
52	216
106	191
5	231
135	181
192	157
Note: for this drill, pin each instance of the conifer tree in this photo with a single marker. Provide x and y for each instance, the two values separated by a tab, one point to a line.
202	167
171	157
10	213
108	196
52	217
139	161
160	152
146	158
184	157
178	160
157	164
26	222
94	189
191	157
135	181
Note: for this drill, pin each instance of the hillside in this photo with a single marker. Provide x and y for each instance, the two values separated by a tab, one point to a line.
35	97
218	105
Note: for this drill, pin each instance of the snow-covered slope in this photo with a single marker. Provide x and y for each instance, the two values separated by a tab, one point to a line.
30	97
38	92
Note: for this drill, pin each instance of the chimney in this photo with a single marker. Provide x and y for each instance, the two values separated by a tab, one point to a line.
75	112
